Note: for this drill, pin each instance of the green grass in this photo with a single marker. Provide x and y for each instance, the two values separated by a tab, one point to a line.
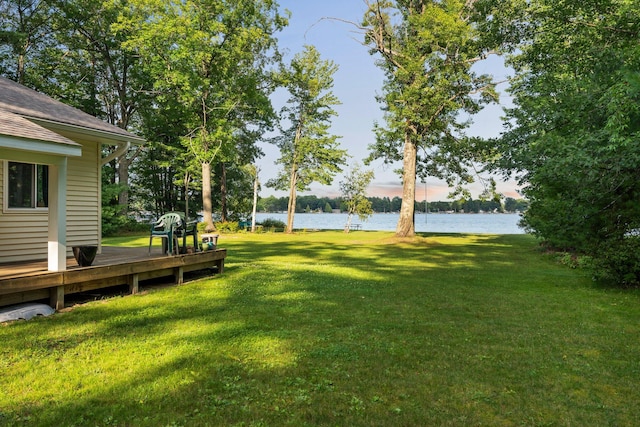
326	328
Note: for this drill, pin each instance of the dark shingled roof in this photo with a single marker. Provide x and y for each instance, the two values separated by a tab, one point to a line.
29	104
14	125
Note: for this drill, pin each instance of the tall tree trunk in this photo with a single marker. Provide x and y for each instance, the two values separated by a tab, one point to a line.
293	179
206	196
187	178
347	226
406	222
256	184
123	178
291	208
20	73
223	193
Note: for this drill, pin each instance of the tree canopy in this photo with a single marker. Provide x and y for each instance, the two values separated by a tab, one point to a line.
68	49
573	135
25	33
212	57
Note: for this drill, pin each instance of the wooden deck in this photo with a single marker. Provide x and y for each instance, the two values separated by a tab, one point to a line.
24	282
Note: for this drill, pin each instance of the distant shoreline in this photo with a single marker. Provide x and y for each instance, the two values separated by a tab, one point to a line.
441	222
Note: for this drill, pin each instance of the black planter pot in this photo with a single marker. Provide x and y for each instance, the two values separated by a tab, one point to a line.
84	255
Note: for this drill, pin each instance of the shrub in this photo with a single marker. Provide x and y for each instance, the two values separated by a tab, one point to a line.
573	260
227	226
271	223
114	224
618	261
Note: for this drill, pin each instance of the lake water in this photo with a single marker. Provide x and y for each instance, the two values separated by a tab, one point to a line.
433	223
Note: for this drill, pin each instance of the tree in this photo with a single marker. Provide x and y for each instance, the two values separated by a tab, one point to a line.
214	56
254	171
25	32
157	170
269	204
308	152
572	138
426	49
396	204
515	205
354	196
68	49
114	85
238	185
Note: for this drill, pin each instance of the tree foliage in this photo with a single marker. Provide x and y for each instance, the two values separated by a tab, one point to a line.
386	205
573	136
309	153
354	194
212	56
25	33
158	171
94	70
191	76
426	50
68	49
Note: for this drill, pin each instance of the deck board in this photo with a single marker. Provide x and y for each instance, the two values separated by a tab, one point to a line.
110	255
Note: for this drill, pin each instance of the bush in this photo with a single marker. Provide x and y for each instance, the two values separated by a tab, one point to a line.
618	261
114	224
227	227
271	223
573	260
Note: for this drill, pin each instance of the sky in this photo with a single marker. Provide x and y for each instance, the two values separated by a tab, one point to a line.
356	84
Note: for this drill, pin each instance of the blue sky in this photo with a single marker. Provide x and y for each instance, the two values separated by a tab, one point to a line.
356	84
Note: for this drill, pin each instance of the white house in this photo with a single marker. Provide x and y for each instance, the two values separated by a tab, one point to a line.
50	162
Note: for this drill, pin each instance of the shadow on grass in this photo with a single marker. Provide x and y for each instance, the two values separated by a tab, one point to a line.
387	250
313	331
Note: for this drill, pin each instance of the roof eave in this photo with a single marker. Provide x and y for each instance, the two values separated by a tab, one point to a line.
41	147
103	137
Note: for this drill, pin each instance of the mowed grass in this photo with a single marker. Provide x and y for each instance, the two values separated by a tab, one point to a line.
327	328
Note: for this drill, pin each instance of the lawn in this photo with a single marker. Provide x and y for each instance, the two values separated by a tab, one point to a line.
324	328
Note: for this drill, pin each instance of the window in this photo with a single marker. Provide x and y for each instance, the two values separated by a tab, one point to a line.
27	185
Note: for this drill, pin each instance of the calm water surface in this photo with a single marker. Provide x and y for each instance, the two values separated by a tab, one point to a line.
434	223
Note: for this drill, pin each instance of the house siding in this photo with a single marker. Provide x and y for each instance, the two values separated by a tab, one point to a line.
83	197
24	235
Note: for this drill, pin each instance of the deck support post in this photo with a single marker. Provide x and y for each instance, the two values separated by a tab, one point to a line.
134	283
56	297
179	275
57	223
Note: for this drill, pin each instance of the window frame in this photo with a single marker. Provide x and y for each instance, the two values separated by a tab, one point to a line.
34	189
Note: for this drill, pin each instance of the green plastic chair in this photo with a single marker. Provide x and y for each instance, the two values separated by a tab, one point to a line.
166	228
187	228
